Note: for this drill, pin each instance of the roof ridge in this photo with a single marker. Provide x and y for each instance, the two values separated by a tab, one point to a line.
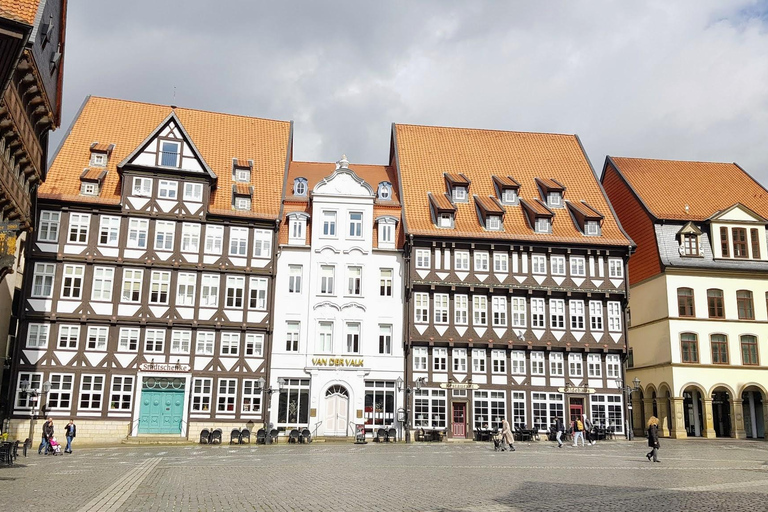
485	130
671	160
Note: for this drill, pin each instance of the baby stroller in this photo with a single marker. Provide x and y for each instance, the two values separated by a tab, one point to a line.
499	445
54	448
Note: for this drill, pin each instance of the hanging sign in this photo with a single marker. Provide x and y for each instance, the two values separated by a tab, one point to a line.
570	388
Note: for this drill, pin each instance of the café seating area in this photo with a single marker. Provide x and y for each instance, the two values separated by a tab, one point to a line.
428	435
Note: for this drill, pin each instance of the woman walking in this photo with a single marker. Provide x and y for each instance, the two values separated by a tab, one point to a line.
653	439
506	435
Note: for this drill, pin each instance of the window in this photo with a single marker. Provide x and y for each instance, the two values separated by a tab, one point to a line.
386	233
326	279
181	342
128	341
210	291
300	187
608	410
739	243
35	384
159	284
576	308
164	232
518	312
296	393
42	282
493	223
354	280
480	310
460	309
461	260
719	348
329	224
445	220
592	228
690	244
478	360
385	282
499	309
385	339
190	238
137	233
72	286
557	313
258	290
296	225
325	337
379	404
542	225
421	308
201	395
577	266
97	338
499	362
558	265
37	336
78	227
440	359
574	365
242	175
518	362
142	187
481	261
292	336
154	340
295	273
440	304
745	305
715	303
612	366
167	189
235	291
689	345
556	364
60	393
169	154
460	194
68	336
615	268
554	199
429	408
353	337
214	236
262	243
122	392
724	244
509	196
539	264
749	350
109	231
205	342
49	227
419	358
193	192
355	225
238	241
423	258
685	302
230	343
614	317
594	368
459	356
242	203
251	396
89	189
755	240
500	262
537	363
538	314
547	407
227	395
186	284
595	315
91	391
490	409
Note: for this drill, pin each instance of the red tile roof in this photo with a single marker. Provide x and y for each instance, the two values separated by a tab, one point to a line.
441	202
585	210
457	179
489	205
23	11
506	181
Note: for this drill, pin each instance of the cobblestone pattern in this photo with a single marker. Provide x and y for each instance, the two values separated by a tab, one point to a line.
435	477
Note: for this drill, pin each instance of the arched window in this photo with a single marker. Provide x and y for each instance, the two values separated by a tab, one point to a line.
745	305
715	303
749	353
719	344
337	390
300	187
685	305
689	346
385	190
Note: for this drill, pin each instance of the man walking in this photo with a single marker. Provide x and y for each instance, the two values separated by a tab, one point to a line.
71	431
47	434
559	429
588	431
578	431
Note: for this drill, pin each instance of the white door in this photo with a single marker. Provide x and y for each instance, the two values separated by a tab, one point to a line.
336	407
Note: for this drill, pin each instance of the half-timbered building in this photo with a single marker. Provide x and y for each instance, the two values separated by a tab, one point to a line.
148	309
515	281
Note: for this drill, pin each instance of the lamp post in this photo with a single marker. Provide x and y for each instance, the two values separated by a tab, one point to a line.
267	425
628	400
32	396
406	420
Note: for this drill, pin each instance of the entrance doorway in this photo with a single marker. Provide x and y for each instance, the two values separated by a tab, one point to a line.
693	412
576	408
336	411
459	419
721	413
162	405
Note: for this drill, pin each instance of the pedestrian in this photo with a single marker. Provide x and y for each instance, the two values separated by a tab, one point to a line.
559	429
47	435
588	431
653	439
71	432
578	432
506	435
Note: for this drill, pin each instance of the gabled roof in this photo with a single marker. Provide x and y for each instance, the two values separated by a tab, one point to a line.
756	217
584	210
22	11
684	190
506	181
689	229
457	179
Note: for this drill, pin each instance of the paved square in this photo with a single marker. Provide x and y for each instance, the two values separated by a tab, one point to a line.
611	476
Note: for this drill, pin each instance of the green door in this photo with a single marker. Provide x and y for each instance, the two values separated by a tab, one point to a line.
161	411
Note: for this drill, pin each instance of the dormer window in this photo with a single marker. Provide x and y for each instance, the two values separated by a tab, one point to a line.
241	196
241	170
169	153
507	189
300	187
242	203
539	216
554	200
98	160
297	228
443	210
460	194
385	191
386	228
509	196
445	220
552	191
91	181
543	225
243	175
592	228
490	212
493	222
89	189
689	237
586	218
458	187
100	154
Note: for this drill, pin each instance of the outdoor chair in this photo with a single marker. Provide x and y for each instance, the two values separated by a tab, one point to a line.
205	436
261	436
420	435
306	436
293	437
5	453
392	435
216	436
611	432
234	436
273	435
381	435
245	434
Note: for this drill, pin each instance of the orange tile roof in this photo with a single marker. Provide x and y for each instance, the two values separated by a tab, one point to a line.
95	174
243	164
549	184
667	186
585	210
243	189
506	181
489	205
101	148
425	152
23	11
441	202
457	179
218	137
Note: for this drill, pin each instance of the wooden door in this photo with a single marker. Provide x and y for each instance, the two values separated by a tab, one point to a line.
161	411
459	419
576	408
336	407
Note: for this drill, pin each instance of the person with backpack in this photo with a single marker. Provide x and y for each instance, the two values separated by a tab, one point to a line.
588	431
578	432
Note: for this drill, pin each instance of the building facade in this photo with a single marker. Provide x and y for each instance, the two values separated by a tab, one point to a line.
337	347
515	281
699	294
150	277
31	59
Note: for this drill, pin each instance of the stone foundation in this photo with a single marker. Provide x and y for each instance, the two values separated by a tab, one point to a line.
89	432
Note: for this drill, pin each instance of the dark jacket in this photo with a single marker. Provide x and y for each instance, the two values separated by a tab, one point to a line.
48	430
653	436
70	430
559	427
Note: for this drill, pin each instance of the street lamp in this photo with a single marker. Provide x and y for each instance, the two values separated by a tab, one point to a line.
627	400
416	385
280	386
32	396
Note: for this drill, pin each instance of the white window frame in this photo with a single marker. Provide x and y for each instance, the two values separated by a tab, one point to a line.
88	188
440	304
201	394
190	238
461	261
59	396
97	338
385	339
479	361
79	226
481	261
205	343
423	259
292	336
159	287
251	399
459	357
257	291
92	387
325	337
519	314
614	316
517	358
109	231
420	357
543	225
214	240
43	278
236	298
493	222
538	264
229	344
460	193
295	277
122	390
327	280
386	230
575	365
594	366
68	337
538	313
165	235
186	289
296	230
354	280
578	266
537	364
193	192
421	308
353	335
556	364
557	314
499	362
386	282
479	310
613	366
168	189
615	268
142	187
461	309
557	265
128	339
500	262
72	282
439	359
242	203
576	315
355	225
209	290
37	336
49	226
226	395
329	224
595	315
138	232
238	241
499	310
154	341
35	380
262	243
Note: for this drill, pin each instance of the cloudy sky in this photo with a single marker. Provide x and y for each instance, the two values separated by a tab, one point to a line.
659	79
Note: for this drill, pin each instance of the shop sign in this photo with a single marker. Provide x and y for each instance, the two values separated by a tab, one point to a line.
337	361
164	367
459	385
570	388
8	232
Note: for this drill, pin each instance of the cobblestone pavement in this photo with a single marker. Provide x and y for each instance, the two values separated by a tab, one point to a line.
611	476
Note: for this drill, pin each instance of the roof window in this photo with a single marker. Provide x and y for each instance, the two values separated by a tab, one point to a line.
100	154
458	187
552	191
507	189
241	196
539	216
490	212
300	187
91	181
385	191
587	219
241	170
443	210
